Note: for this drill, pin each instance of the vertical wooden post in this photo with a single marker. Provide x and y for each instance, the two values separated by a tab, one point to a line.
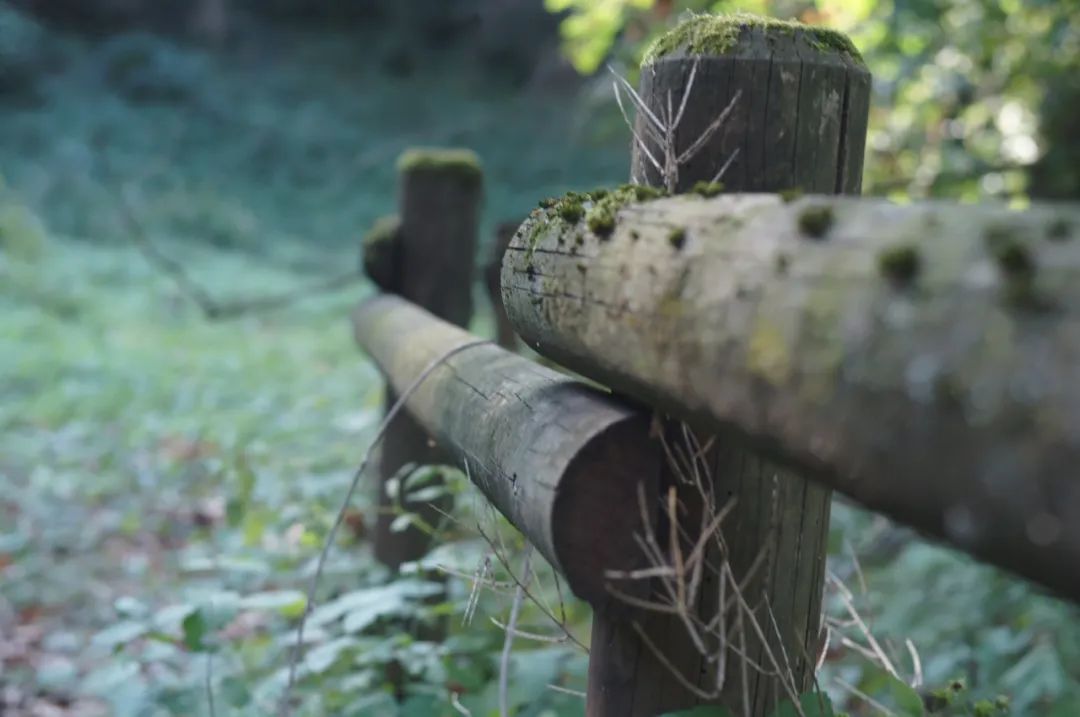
434	248
799	122
504	331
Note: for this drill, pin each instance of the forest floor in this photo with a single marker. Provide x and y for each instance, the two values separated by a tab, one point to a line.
165	480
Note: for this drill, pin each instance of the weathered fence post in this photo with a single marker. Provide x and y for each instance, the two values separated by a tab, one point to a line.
797	100
427	257
504	331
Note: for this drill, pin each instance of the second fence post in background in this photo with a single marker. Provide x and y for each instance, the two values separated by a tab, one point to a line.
432	262
504	331
772	106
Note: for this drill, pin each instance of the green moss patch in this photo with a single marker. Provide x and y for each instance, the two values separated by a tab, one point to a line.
677	237
816	221
570	209
607	203
463	162
1058	230
787	196
718	34
708	189
1016	263
900	264
380	251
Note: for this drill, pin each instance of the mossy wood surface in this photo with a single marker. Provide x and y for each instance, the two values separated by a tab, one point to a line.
431	254
504	331
560	460
800	120
923	360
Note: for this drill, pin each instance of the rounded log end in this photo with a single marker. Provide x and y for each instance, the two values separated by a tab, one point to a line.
448	162
706	34
604	499
380	251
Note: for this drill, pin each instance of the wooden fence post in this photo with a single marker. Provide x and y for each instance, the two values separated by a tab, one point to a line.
504	330
799	101
427	258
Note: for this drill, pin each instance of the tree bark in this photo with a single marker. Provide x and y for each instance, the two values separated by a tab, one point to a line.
923	360
562	461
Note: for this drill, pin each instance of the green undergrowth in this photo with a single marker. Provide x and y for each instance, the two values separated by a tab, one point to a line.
166	481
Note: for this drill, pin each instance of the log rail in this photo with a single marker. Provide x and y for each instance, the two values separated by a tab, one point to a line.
923	360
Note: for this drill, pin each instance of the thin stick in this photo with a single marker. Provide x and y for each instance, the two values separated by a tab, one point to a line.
511	626
298	649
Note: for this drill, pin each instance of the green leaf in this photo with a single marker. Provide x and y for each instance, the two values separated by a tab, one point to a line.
813	704
907	699
194	628
289	603
323	657
121	634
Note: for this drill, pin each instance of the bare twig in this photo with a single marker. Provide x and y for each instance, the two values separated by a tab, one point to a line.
660	128
567	691
511	626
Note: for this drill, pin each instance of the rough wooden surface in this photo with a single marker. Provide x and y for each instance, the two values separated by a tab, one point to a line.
798	101
799	122
560	460
432	248
504	331
943	392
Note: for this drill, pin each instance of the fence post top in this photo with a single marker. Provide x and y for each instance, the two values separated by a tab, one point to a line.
441	160
715	35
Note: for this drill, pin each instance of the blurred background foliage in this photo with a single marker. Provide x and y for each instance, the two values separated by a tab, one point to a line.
972	98
166	482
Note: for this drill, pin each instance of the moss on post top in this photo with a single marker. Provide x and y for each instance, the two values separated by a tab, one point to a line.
720	34
462	162
382	230
380	252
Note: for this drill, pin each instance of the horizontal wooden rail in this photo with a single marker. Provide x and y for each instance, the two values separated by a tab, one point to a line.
923	360
562	461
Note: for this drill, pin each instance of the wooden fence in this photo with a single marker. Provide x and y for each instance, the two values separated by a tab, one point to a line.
922	360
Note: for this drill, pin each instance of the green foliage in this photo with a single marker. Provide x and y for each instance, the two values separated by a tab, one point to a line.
167	481
22	235
972	98
145	68
591	27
